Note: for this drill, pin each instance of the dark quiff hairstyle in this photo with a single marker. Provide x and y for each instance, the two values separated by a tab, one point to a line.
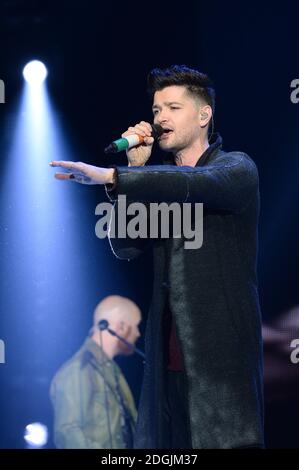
197	83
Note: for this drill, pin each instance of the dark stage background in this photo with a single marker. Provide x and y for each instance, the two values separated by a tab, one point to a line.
53	268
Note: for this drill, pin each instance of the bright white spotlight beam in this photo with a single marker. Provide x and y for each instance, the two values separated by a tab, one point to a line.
35	72
36	435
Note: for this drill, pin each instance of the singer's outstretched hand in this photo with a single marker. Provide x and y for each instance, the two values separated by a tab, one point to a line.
83	173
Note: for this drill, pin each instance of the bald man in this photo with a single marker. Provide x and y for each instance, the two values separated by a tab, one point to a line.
93	405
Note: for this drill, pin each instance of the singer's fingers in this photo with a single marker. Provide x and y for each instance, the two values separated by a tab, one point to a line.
64	176
143	128
149	140
63	164
79	166
134	131
140	129
146	125
130	131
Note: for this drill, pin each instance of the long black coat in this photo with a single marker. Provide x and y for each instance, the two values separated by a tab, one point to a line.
213	298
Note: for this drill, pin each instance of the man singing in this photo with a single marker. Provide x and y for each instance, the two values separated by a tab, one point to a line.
202	385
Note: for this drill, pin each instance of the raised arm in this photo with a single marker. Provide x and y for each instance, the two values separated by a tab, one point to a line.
228	184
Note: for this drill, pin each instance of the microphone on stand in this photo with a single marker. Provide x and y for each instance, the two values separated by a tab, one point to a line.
104	325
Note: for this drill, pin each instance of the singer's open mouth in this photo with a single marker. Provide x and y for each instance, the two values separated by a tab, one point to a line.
166	133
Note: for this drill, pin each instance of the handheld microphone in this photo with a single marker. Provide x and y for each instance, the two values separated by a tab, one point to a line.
132	140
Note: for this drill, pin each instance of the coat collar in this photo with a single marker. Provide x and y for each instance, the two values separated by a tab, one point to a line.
96	352
214	147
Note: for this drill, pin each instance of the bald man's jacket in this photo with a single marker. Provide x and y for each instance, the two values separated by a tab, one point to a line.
87	408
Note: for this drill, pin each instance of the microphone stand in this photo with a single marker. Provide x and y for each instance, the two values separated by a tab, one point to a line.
106	399
104	325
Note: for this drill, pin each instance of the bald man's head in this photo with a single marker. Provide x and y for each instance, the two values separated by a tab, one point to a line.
114	308
123	316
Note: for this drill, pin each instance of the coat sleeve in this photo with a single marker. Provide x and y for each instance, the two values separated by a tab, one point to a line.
229	183
66	400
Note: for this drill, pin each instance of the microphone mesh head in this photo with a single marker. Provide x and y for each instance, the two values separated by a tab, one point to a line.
157	130
103	325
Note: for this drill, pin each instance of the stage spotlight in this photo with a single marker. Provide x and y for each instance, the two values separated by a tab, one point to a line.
36	435
35	72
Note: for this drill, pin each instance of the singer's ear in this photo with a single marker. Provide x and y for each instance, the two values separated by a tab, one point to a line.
205	115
